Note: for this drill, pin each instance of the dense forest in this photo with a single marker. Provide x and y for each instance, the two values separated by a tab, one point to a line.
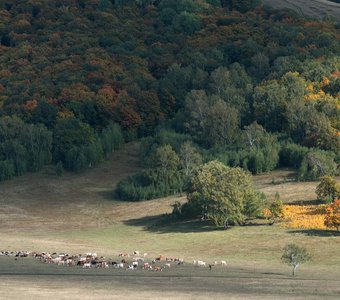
195	80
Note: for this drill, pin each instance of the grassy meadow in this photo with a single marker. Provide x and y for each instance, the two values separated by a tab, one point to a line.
76	213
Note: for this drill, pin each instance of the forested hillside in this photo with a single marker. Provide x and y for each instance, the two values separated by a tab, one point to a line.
251	86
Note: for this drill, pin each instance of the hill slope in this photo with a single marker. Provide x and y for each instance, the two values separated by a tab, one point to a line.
70	69
309	8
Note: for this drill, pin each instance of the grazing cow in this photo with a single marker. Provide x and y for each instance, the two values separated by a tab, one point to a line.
130	267
87	265
56	260
120	266
167	265
80	263
161	257
124	254
201	263
223	263
70	262
135	264
158	268
136	253
61	263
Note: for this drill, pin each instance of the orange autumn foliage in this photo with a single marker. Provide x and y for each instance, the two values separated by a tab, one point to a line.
335	74
31	104
304	216
325	81
332	217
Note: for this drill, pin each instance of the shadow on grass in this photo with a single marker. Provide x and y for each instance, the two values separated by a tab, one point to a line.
164	224
161	224
307	202
274	273
317	232
107	195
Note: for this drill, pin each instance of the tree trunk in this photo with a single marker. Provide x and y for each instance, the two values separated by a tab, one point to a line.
226	224
294	269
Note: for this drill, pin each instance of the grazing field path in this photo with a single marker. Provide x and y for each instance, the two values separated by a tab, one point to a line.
309	8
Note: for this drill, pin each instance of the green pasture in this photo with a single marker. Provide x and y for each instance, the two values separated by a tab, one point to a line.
77	214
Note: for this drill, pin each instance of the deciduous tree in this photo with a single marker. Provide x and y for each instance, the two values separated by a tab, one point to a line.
332	218
328	189
189	158
294	256
225	195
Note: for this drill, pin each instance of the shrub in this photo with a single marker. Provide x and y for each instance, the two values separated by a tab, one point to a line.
139	187
291	155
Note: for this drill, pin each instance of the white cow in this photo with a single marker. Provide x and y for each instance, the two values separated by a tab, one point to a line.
87	265
201	263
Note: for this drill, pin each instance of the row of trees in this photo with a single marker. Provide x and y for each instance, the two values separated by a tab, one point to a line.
28	147
167	173
23	147
77	146
169	159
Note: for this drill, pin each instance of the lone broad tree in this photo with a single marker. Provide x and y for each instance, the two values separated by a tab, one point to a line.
294	255
225	195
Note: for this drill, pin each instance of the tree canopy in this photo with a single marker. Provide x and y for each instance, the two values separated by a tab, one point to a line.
206	69
328	189
224	194
295	255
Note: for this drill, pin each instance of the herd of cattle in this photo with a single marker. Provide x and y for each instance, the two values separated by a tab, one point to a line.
125	261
